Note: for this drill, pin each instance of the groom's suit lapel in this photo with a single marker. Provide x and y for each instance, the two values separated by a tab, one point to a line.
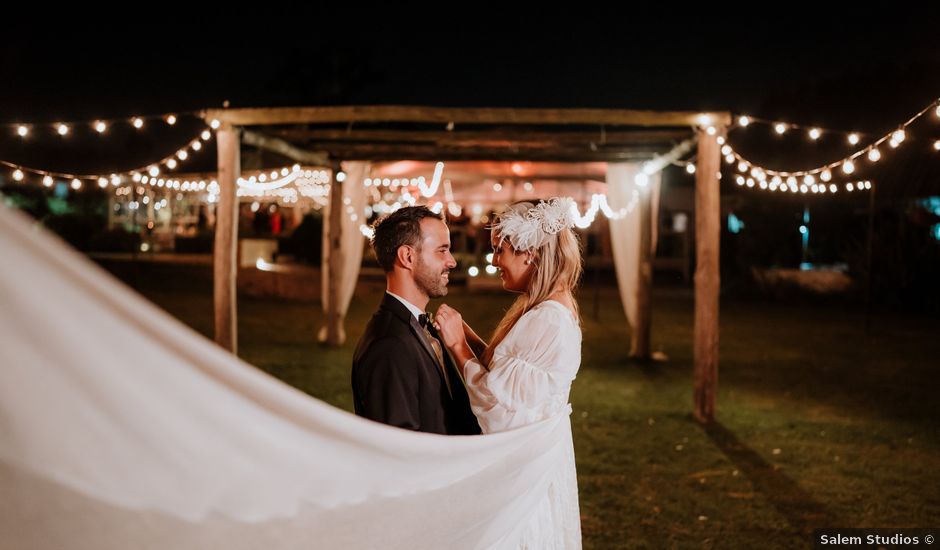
399	310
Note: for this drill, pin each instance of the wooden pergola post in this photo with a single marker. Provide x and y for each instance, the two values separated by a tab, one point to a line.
335	257
707	275
641	333
225	253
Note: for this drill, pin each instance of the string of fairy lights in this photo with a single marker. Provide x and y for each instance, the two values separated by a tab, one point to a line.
289	184
140	174
820	179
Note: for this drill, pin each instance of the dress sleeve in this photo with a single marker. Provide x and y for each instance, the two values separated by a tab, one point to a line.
522	374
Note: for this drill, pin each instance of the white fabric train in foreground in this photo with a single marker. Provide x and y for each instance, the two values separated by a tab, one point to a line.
122	428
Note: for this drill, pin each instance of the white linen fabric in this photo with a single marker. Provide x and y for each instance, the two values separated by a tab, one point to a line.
352	243
528	381
625	232
122	428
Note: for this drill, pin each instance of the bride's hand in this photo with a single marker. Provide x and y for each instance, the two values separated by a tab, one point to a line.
449	324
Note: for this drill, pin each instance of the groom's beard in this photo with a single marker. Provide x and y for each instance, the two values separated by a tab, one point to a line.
431	281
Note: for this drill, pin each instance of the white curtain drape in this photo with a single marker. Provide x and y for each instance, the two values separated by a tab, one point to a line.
625	232
351	242
122	428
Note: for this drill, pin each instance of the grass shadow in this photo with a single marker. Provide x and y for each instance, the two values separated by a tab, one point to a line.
799	508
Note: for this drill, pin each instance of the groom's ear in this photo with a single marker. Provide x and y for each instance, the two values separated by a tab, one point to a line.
405	255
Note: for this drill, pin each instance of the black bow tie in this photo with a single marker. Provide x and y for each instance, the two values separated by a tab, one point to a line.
426	320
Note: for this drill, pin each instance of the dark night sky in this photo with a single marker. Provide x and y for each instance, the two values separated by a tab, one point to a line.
829	64
849	71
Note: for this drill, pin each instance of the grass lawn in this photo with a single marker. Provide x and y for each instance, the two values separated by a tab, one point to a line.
818	425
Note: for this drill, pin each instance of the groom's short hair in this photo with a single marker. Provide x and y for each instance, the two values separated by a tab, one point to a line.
401	227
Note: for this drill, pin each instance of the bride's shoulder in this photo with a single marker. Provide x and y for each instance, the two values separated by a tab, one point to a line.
552	309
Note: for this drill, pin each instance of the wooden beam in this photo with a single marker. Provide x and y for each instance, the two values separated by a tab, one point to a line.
225	254
607	137
446	115
283	148
707	276
391	151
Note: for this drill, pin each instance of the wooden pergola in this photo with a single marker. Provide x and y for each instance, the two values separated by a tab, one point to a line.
325	136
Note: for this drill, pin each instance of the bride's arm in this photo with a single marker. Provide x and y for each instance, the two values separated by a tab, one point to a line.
459	338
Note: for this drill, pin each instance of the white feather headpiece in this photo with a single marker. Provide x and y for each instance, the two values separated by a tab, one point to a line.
532	228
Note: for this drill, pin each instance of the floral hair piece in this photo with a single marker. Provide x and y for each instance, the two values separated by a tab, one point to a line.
531	229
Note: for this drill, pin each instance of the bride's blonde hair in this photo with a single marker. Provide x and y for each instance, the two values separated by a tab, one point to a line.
557	263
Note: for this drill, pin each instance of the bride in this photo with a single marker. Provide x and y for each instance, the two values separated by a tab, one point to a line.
524	374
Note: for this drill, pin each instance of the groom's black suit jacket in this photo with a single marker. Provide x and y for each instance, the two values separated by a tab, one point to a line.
396	379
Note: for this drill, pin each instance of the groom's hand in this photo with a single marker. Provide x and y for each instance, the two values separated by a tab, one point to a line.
449	324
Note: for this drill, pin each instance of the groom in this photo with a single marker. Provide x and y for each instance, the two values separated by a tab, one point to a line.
401	374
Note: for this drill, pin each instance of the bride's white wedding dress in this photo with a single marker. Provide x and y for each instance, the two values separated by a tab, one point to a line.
122	428
529	379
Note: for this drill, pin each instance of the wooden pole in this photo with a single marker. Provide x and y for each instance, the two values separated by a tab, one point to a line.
707	275
335	258
868	259
640	335
225	253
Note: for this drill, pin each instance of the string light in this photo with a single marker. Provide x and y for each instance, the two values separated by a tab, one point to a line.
62	129
848	164
138	122
152	169
100	127
22	130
